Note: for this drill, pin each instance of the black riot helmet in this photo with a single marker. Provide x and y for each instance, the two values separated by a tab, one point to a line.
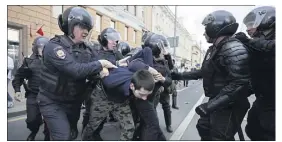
123	48
94	45
219	23
38	44
75	16
145	36
262	19
157	43
107	35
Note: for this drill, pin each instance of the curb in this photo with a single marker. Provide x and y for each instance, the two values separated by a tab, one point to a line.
17	113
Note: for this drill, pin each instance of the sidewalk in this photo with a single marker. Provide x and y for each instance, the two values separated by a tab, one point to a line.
19	107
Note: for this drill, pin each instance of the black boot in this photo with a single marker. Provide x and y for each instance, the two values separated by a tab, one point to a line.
169	129
167	116
174	102
74	133
31	136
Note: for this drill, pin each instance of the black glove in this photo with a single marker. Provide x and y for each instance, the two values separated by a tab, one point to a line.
218	102
176	76
202	110
242	37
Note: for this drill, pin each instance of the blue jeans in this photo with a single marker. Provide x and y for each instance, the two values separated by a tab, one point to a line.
10	99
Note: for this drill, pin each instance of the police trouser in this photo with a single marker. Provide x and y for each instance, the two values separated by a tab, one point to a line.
34	118
144	114
61	118
86	112
174	94
261	123
223	124
99	110
164	99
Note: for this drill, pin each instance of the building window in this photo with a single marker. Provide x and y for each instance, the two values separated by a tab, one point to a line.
134	36
57	10
125	33
113	24
98	23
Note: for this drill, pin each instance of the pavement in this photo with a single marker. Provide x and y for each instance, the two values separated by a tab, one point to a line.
183	120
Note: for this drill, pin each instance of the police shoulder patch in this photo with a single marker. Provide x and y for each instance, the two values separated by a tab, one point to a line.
60	53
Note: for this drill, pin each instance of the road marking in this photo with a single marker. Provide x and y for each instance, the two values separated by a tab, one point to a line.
182	89
178	133
17	118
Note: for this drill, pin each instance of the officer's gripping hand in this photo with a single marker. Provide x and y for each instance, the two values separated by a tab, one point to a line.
17	96
107	64
123	62
242	37
202	110
104	72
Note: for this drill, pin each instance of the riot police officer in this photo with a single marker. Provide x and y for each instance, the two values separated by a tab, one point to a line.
67	62
30	70
123	48
225	73
163	64
260	23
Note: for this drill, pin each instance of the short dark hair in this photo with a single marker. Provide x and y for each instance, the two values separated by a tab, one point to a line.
143	78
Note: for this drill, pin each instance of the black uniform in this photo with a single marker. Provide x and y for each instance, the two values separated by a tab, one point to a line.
65	68
261	117
158	43
30	70
225	74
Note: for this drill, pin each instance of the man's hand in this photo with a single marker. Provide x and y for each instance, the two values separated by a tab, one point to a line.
159	77
107	64
123	62
104	72
153	71
17	96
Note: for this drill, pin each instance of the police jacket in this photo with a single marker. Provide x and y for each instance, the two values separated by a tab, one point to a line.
29	70
65	68
225	69
262	67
